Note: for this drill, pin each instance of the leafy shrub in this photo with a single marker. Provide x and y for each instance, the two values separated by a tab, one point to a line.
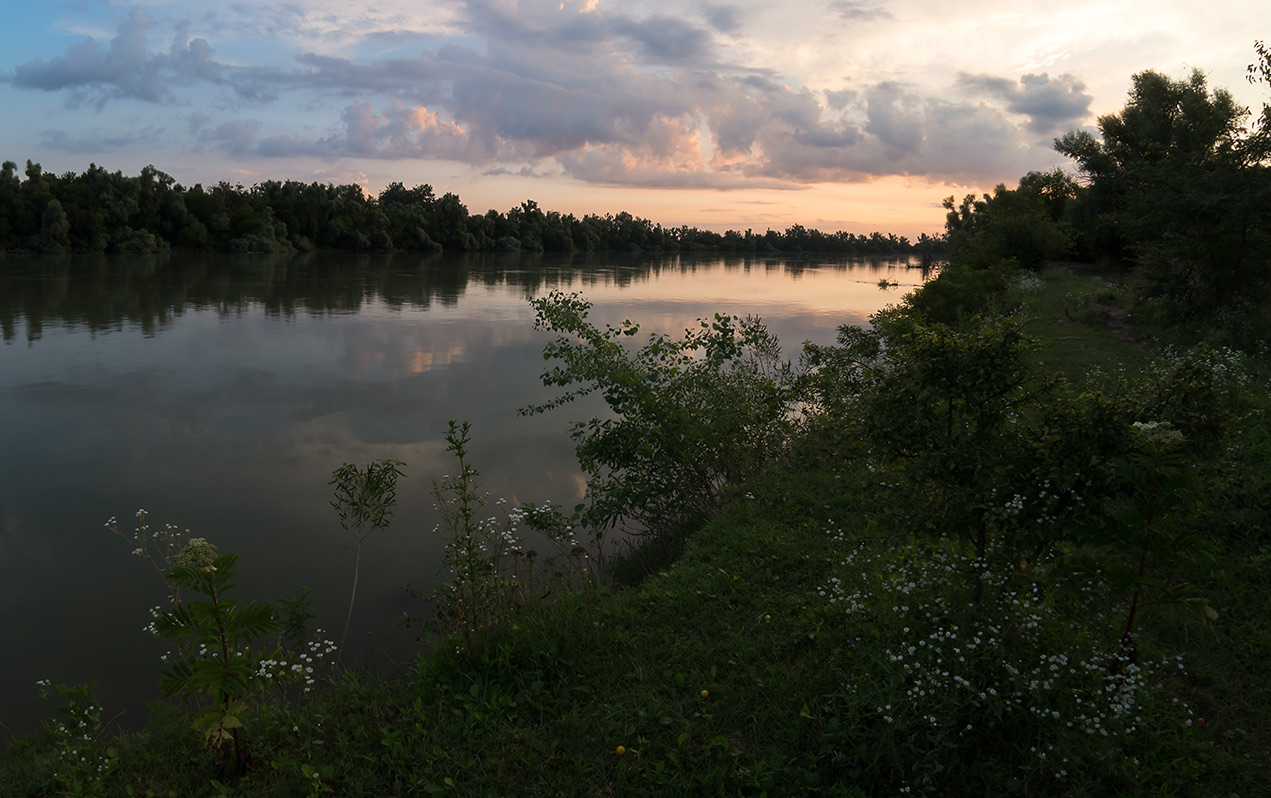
690	415
225	650
955	417
493	574
960	291
79	765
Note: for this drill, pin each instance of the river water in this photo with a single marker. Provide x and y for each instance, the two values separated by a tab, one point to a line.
218	393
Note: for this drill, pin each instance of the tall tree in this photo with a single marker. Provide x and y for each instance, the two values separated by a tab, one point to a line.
1187	187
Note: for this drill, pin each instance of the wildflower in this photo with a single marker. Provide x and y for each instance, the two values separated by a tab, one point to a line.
198	553
620	750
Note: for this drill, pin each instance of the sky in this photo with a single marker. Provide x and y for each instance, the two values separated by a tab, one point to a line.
855	115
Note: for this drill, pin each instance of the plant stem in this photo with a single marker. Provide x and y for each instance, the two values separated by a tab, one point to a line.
357	565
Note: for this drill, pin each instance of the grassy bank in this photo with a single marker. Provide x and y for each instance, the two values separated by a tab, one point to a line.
804	643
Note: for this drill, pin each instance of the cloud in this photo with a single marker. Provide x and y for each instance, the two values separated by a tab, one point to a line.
544	87
725	19
151	136
667	40
515	110
1052	105
859	12
903	134
96	74
236	137
895	120
400	132
839	100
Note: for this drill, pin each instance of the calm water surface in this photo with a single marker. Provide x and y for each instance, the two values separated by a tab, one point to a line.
219	393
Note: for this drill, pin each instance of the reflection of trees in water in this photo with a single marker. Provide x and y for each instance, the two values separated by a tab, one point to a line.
108	292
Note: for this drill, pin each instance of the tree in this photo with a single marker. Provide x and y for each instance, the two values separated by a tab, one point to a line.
452	223
1187	188
1024	223
10	196
365	499
53	229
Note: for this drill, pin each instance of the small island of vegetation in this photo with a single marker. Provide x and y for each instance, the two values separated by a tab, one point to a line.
1012	539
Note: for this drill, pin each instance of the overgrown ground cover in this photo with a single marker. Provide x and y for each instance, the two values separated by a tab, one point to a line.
813	638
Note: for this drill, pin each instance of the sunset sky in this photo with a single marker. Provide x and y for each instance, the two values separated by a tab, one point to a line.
835	114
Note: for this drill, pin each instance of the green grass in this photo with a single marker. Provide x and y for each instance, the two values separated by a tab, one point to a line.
1083	320
745	668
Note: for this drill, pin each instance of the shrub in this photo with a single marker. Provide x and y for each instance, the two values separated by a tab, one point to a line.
493	575
690	415
1028	691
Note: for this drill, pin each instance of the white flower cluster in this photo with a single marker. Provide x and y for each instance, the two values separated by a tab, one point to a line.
79	762
955	668
1029	283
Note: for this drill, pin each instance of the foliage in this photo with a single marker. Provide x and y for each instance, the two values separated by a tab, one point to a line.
990	240
294	618
1187	188
1025	223
689	415
365	500
790	654
217	660
221	648
1010	461
80	766
939	689
493	575
959	292
784	653
1144	525
158	547
954	416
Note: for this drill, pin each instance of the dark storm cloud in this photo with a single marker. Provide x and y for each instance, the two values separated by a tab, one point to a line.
1052	105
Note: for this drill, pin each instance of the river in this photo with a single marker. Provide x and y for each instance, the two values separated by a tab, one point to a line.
218	393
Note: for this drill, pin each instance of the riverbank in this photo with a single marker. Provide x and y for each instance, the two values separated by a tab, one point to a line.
800	645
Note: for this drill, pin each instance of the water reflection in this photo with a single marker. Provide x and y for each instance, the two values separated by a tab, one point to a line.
149	293
219	393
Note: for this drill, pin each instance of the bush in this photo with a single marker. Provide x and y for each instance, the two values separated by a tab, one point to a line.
690	415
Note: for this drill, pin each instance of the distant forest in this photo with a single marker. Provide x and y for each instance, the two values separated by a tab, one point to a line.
100	211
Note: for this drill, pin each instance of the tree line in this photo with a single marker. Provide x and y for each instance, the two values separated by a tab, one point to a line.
100	211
